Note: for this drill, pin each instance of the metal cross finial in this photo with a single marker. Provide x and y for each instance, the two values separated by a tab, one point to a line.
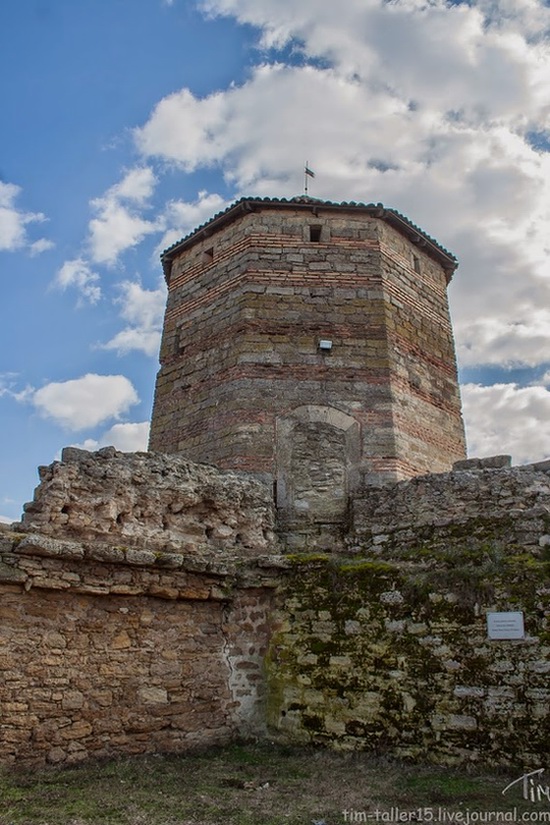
308	173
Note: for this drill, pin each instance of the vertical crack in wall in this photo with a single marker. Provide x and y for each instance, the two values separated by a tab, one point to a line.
231	715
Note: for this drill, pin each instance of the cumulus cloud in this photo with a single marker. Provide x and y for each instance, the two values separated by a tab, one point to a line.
14	222
78	274
509	419
440	110
143	311
85	402
181	217
5	520
128	438
119	224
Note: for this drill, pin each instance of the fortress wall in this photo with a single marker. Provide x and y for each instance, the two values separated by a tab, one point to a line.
483	501
394	657
151	501
125	625
387	649
104	651
127	628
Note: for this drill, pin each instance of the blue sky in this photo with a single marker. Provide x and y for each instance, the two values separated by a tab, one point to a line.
125	123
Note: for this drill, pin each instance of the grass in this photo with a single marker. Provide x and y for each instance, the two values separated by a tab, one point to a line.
248	785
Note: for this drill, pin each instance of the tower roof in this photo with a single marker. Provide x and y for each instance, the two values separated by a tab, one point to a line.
315	206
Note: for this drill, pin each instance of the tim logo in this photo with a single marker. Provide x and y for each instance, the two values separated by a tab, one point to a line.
532	789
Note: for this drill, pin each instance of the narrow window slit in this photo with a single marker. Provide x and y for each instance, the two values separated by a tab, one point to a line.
315	233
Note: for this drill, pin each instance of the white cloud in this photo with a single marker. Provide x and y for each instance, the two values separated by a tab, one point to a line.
85	402
128	438
13	223
427	106
42	245
133	339
181	217
77	273
118	224
6	520
519	341
137	185
8	386
506	418
185	129
143	309
439	50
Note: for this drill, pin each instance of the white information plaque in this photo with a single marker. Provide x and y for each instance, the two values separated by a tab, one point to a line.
505	625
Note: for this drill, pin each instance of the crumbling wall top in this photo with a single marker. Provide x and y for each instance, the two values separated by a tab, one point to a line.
151	501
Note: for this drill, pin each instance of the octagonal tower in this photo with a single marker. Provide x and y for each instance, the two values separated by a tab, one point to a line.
309	342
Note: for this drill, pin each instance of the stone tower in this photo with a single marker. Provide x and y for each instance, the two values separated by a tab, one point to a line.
309	342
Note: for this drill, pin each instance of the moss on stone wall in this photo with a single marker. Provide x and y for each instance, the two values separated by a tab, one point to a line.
392	654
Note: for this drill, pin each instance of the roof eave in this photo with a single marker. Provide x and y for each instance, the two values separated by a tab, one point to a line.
247	205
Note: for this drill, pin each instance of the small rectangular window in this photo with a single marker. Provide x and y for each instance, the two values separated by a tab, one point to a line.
315	233
179	346
416	263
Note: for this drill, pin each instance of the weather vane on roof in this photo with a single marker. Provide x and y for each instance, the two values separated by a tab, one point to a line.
308	173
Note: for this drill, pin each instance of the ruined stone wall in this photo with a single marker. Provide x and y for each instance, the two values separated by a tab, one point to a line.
202	627
126	623
393	657
483	502
386	648
151	502
100	658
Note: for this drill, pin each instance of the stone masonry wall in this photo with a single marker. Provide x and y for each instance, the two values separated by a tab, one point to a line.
248	304
201	628
241	332
386	648
148	501
127	623
393	657
483	502
100	658
426	399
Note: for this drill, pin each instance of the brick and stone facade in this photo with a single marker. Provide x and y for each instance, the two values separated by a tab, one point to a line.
245	382
150	603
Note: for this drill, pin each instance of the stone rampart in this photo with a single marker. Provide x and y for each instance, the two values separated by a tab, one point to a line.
145	605
152	501
394	656
481	502
126	622
387	648
107	650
